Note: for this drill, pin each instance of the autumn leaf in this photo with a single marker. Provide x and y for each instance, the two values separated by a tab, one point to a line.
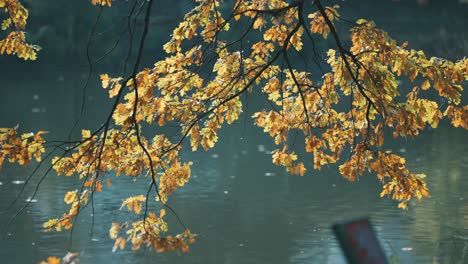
70	197
426	85
114	230
85	134
102	2
119	243
134	203
51	260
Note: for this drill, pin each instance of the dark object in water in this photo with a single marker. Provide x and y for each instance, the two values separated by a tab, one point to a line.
359	242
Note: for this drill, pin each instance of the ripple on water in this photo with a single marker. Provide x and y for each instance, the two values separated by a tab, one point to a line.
30	200
18	182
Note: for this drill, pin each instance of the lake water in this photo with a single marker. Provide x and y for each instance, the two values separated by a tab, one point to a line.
243	208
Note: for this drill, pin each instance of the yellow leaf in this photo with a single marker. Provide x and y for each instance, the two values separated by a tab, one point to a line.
403	205
105	80
6	23
424	192
119	243
50	223
51	260
85	134
114	231
162	213
70	197
98	186
426	85
361	21
300	169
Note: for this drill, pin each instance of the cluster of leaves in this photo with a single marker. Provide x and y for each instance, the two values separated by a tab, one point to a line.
102	2
20	149
15	42
342	116
65	222
148	231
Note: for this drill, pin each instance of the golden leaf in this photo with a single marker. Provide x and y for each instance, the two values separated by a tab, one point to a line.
426	85
70	197
51	260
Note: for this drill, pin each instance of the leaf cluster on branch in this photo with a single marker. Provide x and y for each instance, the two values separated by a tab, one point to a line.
15	42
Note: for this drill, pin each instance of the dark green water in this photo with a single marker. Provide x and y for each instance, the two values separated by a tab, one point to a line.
243	209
